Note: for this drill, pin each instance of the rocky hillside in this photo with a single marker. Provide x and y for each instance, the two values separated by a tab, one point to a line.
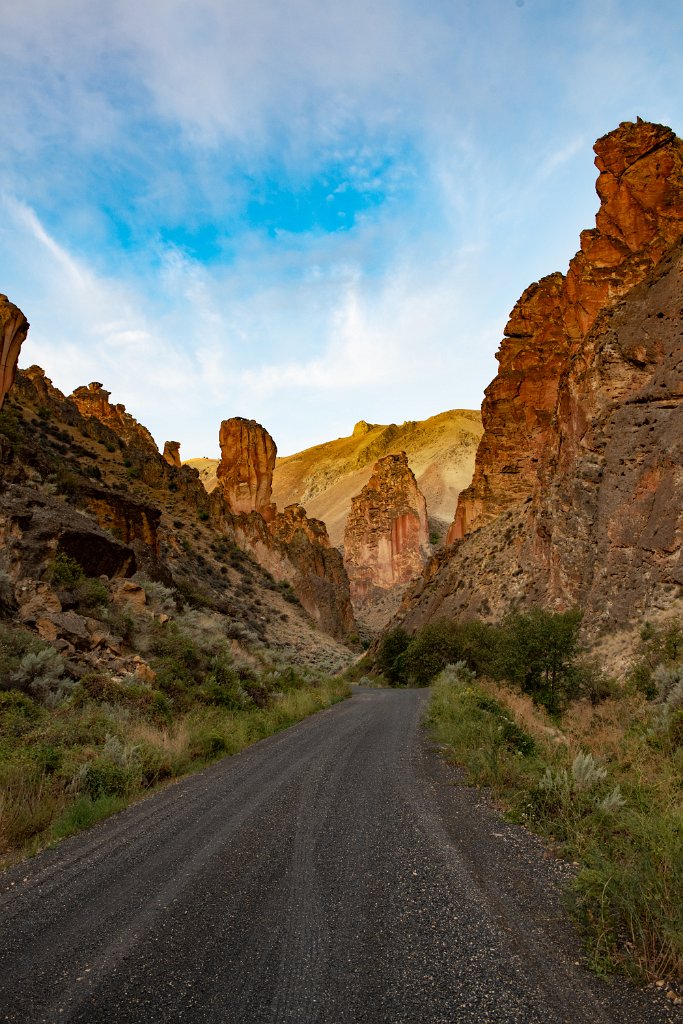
325	478
81	480
578	490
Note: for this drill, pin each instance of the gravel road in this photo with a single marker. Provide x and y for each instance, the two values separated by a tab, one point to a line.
330	874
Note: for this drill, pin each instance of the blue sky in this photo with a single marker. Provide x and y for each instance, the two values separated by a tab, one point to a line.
306	213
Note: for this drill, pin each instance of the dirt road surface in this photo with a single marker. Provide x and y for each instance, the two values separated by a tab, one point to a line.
330	874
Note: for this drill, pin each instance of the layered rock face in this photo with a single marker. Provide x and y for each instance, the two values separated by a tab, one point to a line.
603	530
292	547
641	215
245	472
386	542
320	582
13	330
172	453
606	522
93	401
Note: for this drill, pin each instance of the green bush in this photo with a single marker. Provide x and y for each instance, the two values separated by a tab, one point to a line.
392	645
65	572
104	778
536	651
91	593
434	647
18	713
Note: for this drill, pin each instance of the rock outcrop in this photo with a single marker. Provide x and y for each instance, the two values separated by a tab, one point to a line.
594	518
603	530
70	482
386	542
294	548
93	401
172	453
641	215
13	330
245	472
320	581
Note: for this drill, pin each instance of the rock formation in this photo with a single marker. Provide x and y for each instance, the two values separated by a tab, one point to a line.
594	514
93	401
320	582
604	528
245	472
641	215
386	542
172	453
13	330
292	547
71	482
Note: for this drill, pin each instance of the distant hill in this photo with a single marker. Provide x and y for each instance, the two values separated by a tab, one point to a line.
440	450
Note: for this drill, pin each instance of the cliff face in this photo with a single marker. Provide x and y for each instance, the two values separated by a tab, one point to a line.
606	522
93	401
13	330
295	549
320	580
70	482
245	472
577	493
641	215
603	527
326	477
386	542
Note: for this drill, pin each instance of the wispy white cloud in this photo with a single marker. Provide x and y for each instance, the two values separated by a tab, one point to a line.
466	127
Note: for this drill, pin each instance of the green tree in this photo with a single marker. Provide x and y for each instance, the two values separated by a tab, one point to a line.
392	645
537	652
435	646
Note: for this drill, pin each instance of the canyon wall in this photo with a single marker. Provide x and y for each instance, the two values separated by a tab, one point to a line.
640	186
577	498
386	542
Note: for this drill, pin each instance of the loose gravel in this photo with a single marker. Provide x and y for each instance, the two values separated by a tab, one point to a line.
337	872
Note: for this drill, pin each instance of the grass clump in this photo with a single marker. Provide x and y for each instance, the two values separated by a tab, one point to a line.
602	783
74	752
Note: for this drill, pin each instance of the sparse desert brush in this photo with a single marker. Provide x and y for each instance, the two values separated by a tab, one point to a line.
604	786
111	739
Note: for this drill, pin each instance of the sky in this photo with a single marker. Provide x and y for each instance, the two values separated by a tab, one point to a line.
305	212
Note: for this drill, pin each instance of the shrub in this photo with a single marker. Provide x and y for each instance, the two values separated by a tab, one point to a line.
392	645
65	572
91	593
434	647
536	651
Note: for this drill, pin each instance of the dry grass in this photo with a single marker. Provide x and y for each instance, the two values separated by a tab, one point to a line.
627	894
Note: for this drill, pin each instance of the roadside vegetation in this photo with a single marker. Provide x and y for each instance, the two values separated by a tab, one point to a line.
78	743
594	764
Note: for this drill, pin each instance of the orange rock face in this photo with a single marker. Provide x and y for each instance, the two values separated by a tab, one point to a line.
386	542
172	453
603	530
245	472
13	330
93	400
320	583
641	215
